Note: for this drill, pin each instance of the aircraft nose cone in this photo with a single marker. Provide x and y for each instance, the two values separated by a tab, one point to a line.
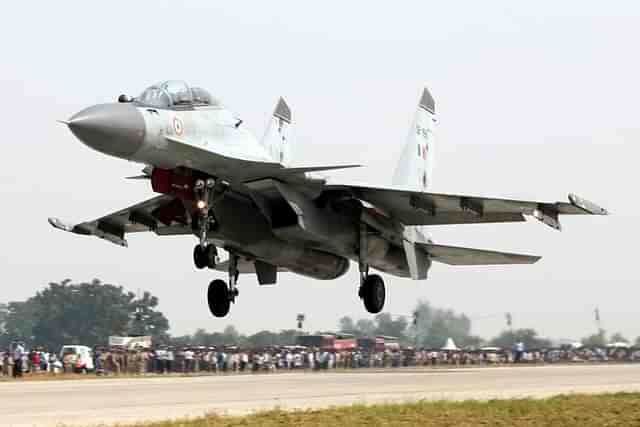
114	129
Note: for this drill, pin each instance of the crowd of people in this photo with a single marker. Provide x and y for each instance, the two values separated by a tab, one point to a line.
13	363
201	359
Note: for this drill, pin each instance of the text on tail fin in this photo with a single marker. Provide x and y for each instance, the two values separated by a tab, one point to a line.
414	169
276	137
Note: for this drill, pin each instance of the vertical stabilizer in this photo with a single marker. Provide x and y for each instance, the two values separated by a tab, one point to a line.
275	139
415	168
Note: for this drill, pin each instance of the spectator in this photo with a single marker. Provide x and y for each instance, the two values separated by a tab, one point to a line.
18	354
188	360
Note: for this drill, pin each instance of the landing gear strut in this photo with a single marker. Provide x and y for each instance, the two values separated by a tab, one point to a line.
219	295
203	192
206	193
372	290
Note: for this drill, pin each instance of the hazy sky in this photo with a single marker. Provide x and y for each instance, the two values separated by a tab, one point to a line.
534	100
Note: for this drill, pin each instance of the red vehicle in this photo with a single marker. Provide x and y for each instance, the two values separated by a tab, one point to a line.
379	343
344	344
328	342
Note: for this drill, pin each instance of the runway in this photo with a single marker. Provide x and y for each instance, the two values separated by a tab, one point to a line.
85	402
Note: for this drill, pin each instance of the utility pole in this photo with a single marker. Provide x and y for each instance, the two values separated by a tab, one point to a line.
510	326
416	316
601	332
300	318
138	320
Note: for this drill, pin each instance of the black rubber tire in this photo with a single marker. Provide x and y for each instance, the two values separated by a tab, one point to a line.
211	253
199	257
373	293
218	298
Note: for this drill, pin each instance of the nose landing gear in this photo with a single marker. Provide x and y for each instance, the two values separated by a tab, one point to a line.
206	194
219	294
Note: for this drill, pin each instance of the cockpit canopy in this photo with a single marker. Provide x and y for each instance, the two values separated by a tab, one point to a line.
176	94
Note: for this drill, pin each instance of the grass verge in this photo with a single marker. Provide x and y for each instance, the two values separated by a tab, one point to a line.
620	409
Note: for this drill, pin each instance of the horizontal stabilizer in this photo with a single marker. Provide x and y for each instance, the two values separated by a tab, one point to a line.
453	255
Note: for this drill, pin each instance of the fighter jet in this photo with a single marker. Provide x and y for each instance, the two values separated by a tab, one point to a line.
232	191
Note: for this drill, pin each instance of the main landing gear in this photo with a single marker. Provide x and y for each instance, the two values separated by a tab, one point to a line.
219	295
218	298
372	291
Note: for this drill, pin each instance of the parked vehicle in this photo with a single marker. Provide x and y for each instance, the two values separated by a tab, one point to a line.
77	358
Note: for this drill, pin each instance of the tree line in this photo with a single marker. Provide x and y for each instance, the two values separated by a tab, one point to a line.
80	313
89	312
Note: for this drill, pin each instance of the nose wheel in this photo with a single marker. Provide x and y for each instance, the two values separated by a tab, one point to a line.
205	256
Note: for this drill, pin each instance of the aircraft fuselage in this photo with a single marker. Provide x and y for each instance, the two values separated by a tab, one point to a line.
318	245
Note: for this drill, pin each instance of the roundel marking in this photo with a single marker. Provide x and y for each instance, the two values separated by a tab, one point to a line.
178	126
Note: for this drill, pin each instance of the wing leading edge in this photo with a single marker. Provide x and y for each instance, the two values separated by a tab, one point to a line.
150	215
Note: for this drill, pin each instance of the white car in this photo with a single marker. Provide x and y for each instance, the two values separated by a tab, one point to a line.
79	356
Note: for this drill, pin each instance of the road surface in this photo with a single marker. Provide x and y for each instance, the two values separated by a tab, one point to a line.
85	402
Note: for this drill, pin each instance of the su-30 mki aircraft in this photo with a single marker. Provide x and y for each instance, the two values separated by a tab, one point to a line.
232	191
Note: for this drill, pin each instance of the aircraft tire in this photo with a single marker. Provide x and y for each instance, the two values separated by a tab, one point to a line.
200	257
211	253
218	298
373	293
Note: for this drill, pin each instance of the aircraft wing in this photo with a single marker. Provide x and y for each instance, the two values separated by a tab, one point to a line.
453	255
418	208
150	215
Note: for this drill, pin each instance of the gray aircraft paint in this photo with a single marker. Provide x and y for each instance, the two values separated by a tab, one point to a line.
290	220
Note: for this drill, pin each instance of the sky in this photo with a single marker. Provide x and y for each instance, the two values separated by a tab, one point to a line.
534	99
